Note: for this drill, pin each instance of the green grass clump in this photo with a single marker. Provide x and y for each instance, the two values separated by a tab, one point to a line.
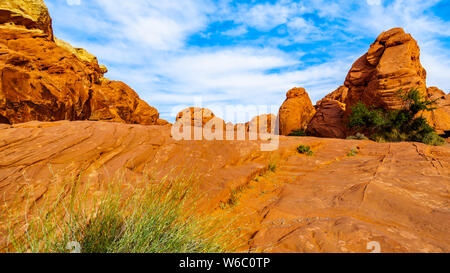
160	217
298	133
306	150
353	152
396	125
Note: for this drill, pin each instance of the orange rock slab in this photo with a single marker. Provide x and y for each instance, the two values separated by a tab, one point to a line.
393	194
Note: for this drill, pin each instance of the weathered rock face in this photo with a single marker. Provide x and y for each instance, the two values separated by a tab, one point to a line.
81	53
296	111
440	117
392	63
195	116
30	14
44	80
328	120
196	123
339	94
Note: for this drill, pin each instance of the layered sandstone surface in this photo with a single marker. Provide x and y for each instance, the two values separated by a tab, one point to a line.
395	194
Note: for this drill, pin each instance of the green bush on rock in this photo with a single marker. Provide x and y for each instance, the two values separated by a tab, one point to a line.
396	125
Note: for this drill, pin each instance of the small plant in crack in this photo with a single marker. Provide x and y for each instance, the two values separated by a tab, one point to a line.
353	152
305	150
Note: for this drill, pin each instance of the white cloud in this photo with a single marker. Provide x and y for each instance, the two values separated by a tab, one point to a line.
160	25
263	17
73	2
237	31
373	2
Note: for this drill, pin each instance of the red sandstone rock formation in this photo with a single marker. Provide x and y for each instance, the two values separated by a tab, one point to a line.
391	64
440	117
296	111
328	120
28	14
47	81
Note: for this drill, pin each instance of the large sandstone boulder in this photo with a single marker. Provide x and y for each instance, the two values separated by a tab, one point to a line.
329	120
391	64
195	116
46	80
296	111
195	123
30	14
40	80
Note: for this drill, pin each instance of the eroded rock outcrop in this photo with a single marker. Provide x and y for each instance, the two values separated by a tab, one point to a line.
440	117
29	14
328	120
391	64
44	80
195	123
195	116
296	111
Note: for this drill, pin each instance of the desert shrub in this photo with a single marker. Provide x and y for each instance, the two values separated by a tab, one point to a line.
396	125
160	217
433	139
298	133
306	150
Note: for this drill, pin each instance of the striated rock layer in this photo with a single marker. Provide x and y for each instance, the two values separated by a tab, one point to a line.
394	194
44	80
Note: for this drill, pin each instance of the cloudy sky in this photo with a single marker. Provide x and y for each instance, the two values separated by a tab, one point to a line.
246	52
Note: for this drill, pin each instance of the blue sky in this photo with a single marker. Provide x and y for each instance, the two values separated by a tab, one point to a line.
244	52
